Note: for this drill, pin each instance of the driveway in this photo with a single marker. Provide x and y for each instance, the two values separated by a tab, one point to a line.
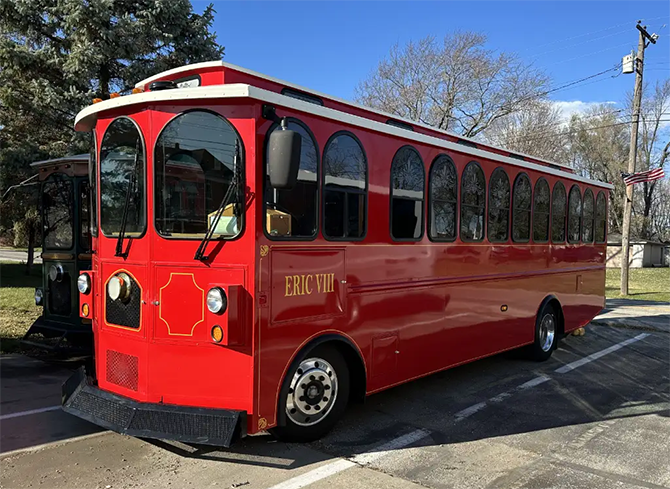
596	415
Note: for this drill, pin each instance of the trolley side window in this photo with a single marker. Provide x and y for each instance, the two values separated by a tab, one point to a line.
499	196
601	217
443	199
587	217
541	199
407	191
574	214
293	214
473	202
558	203
344	188
198	158
521	203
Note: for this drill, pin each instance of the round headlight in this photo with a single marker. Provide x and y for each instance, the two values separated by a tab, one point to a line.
39	297
56	273
119	286
216	300
84	283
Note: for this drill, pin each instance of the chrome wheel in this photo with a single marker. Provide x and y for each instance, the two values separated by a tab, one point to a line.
547	332
312	392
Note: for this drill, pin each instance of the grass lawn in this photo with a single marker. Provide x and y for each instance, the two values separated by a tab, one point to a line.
17	303
650	284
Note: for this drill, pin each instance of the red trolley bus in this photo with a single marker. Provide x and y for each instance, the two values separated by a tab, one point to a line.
266	253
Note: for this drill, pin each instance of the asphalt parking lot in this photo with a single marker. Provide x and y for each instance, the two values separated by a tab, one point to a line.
597	415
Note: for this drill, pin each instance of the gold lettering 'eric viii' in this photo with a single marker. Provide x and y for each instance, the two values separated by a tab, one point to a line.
320	283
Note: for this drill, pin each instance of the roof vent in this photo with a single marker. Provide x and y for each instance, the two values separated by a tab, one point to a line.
465	142
305	97
161	85
400	124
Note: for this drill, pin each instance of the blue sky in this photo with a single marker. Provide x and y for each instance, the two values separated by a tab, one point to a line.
331	46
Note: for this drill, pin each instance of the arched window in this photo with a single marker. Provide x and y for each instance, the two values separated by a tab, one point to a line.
344	188
293	213
558	204
443	199
122	174
521	208
407	188
498	226
574	214
587	217
473	202
601	217
541	199
198	155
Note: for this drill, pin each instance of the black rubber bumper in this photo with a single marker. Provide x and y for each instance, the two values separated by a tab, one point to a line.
220	427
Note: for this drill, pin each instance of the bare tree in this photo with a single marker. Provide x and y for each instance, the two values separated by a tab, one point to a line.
654	142
598	147
457	85
537	128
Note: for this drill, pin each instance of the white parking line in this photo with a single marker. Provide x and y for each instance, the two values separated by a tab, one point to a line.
340	465
475	408
594	356
28	413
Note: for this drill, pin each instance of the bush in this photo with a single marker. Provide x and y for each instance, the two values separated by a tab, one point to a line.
23	228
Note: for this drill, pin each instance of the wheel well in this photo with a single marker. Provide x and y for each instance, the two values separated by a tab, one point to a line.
554	302
351	355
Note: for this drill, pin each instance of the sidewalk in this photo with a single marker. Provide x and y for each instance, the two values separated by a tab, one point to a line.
17	255
632	314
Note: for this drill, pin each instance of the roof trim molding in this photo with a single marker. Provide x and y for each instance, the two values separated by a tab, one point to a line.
86	120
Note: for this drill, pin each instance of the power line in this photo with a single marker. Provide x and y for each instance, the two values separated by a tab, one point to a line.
579	43
565	133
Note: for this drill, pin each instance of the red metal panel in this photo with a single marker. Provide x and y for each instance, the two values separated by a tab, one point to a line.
307	284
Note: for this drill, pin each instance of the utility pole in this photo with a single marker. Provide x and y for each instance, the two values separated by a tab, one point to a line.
632	156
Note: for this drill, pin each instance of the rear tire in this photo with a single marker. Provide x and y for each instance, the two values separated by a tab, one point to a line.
546	334
314	395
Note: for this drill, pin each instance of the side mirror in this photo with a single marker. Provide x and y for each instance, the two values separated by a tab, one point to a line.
284	157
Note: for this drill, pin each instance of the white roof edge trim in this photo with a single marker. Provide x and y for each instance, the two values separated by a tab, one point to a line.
213	64
62	159
293	103
86	117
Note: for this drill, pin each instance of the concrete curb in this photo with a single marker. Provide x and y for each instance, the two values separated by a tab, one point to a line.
626	324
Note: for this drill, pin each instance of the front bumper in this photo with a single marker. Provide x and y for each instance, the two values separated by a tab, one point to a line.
206	426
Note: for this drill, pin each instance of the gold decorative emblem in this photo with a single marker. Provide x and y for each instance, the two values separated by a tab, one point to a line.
265	249
262	422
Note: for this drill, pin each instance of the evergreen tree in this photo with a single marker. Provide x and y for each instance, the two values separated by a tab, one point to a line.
57	55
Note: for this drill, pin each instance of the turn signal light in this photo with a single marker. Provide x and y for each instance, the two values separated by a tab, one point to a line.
217	334
85	310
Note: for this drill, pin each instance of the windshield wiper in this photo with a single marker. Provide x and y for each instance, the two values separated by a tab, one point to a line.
124	218
233	189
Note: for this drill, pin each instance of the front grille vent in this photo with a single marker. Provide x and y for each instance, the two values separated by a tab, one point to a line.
122	369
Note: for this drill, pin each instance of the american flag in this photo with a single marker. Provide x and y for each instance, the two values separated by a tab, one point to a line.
643	176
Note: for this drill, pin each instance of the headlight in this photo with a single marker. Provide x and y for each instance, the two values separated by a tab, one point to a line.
39	297
216	300
56	273
84	283
119	287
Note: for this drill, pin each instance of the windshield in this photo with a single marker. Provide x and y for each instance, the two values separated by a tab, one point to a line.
122	172
194	166
57	205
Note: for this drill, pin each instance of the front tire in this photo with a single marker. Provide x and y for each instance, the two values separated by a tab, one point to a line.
546	334
314	395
